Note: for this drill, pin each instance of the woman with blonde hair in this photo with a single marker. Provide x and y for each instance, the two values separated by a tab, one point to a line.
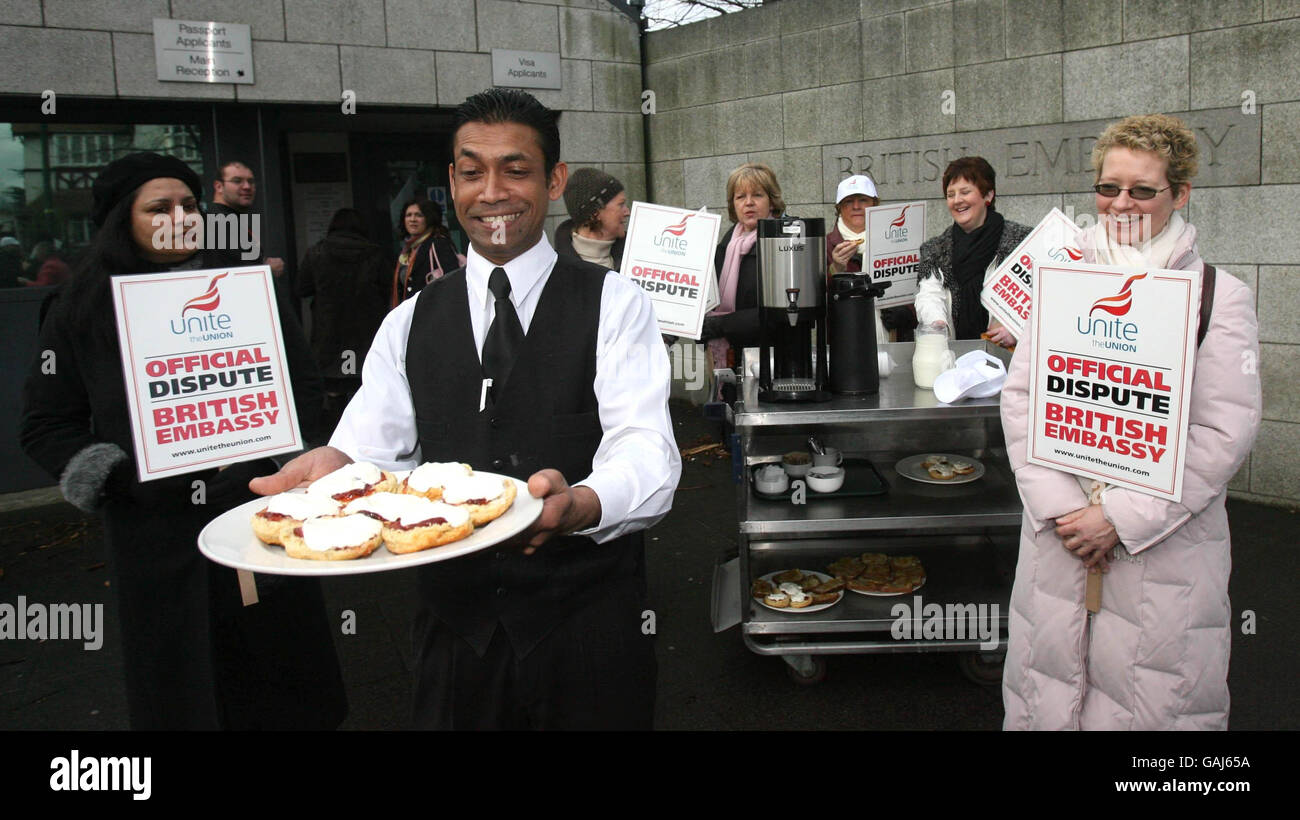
752	194
1155	656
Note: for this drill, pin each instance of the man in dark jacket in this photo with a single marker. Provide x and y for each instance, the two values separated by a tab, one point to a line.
233	192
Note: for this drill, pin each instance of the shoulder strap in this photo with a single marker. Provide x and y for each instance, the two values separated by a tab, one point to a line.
1208	275
434	262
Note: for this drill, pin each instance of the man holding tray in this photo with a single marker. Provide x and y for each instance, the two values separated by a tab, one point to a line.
573	384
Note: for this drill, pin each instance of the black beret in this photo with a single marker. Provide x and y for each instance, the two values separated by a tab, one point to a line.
122	176
589	190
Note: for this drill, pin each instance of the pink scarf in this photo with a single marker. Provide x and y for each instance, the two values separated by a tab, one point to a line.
742	242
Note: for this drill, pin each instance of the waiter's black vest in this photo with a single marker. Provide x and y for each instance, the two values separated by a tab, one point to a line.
546	415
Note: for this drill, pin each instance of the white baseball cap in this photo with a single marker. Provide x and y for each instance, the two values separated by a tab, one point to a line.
856	184
977	375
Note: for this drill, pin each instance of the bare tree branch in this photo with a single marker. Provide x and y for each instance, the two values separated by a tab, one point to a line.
660	14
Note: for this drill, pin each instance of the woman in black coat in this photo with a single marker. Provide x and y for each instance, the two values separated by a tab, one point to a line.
193	656
752	194
427	250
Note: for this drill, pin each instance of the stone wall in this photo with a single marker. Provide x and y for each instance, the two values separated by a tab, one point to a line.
411	53
821	88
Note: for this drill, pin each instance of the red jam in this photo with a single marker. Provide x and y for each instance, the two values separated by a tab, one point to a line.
397	525
352	495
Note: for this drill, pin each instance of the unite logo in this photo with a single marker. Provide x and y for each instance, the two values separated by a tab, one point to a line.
670	238
1120	303
896	231
206	326
1065	253
1112	334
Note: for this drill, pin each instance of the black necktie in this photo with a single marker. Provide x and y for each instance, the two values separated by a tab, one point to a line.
504	337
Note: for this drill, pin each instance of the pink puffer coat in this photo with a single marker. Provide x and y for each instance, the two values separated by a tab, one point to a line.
1156	655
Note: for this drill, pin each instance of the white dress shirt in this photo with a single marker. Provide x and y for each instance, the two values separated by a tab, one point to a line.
637	465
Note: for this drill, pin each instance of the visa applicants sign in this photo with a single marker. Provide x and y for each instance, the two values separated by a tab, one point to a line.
206	378
669	253
1113	356
893	250
1008	293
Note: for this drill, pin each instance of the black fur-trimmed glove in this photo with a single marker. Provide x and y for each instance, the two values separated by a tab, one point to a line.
86	479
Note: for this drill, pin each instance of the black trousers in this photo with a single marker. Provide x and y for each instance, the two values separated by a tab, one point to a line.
595	670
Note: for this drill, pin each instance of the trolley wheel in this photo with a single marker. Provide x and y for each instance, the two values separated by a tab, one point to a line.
811	669
983	668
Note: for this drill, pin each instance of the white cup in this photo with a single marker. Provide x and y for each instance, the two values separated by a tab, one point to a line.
831	458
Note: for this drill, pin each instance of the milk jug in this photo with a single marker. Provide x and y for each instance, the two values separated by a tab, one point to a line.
931	358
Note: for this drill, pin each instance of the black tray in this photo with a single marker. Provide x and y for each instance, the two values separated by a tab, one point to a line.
860	478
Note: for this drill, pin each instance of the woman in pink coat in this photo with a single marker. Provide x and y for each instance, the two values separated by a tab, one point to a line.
1156	655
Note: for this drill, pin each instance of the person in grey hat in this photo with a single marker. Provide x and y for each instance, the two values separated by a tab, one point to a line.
597	223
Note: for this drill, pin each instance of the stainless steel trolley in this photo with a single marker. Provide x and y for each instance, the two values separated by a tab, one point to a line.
965	534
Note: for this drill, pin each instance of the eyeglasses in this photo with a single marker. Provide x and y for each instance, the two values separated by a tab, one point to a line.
1111	190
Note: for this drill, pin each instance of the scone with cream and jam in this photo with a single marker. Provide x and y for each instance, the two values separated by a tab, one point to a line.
428	479
286	511
411	523
485	497
351	481
334	538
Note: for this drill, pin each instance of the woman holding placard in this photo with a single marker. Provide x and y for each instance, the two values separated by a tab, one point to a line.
847	242
955	264
194	657
1155	653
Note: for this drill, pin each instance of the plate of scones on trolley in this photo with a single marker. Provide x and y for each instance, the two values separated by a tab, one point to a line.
877	574
361	519
940	468
797	591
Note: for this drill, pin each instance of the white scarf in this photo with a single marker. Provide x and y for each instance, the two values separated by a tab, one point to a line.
596	251
1154	252
848	233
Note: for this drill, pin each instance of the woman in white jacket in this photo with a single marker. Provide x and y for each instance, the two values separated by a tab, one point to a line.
955	264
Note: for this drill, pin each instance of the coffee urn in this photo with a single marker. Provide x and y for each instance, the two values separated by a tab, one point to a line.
851	320
792	308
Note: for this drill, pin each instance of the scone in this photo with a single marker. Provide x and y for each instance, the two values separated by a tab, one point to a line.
962	467
351	481
412	523
486	498
833	587
930	461
777	599
942	472
846	568
800	600
428	479
334	538
433	524
287	511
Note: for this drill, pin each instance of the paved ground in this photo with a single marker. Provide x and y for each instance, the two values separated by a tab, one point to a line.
51	553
